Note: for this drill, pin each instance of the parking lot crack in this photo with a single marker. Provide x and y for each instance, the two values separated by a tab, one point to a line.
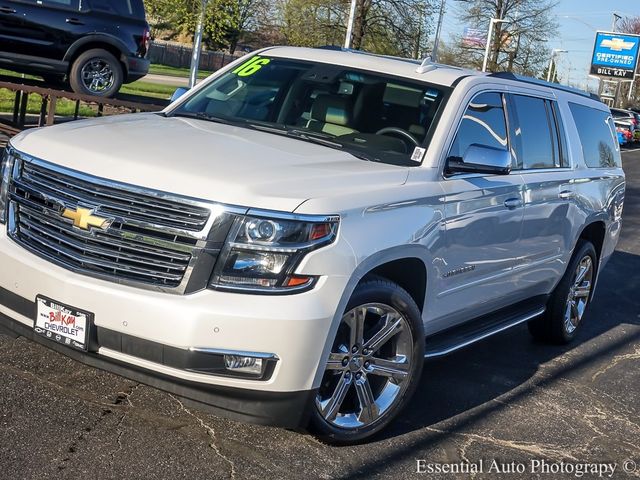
547	451
211	432
616	360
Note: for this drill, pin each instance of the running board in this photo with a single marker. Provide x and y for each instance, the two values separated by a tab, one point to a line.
450	340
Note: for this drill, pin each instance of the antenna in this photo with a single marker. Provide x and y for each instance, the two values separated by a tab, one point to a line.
426	66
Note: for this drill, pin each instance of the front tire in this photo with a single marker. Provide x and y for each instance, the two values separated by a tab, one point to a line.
375	363
568	302
96	72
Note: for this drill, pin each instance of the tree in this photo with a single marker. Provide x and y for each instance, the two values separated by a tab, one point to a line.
629	25
225	20
519	44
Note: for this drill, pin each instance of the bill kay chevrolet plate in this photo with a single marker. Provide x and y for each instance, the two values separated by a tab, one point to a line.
61	323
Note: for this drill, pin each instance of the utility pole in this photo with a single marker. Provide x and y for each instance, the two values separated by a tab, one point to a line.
197	46
436	41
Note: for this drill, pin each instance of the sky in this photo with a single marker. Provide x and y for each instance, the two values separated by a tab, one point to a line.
578	21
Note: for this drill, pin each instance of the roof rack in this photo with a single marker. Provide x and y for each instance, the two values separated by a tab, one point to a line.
543	83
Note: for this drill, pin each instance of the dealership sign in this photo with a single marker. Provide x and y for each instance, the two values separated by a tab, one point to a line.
615	55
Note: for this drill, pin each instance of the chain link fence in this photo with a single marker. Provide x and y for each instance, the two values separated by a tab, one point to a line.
179	55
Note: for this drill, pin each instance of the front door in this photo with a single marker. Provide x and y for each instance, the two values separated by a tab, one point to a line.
483	218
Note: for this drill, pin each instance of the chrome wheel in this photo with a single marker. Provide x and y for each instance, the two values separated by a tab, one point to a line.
369	366
579	294
97	75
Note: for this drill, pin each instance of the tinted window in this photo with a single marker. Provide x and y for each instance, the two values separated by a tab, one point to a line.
371	115
483	124
66	4
597	135
122	8
532	137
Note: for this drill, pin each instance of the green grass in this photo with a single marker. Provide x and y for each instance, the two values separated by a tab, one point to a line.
64	107
157	69
148	89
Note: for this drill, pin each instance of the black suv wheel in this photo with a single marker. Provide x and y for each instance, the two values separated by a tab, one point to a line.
96	72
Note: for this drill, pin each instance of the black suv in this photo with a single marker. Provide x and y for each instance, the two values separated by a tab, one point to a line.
97	45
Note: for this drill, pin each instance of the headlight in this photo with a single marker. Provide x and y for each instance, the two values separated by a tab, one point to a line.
6	167
262	253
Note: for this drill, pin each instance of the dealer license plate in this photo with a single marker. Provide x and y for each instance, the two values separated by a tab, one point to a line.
61	323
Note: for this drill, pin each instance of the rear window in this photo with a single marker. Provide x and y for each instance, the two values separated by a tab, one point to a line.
121	8
597	135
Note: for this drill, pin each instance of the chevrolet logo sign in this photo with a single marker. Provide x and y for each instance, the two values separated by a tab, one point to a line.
85	219
617	44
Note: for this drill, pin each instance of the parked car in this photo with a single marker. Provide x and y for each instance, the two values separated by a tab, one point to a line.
95	45
626	128
289	240
629	116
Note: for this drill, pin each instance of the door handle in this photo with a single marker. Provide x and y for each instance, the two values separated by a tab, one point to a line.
74	21
566	194
512	203
7	10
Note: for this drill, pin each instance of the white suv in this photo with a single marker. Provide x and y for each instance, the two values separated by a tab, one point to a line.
289	240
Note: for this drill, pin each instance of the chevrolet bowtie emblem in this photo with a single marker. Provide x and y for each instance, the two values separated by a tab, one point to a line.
85	219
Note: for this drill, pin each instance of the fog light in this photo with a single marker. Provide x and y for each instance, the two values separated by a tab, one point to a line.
237	363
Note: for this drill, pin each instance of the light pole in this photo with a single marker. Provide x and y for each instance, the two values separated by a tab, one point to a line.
197	45
436	41
352	17
614	21
554	52
489	42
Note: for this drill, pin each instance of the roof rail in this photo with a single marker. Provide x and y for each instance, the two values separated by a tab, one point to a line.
337	48
543	83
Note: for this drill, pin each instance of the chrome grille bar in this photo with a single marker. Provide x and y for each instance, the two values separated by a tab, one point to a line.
153	239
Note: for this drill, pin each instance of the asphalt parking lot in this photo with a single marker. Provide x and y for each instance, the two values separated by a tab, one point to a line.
507	399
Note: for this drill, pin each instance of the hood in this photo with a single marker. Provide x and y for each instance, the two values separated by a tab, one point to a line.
206	160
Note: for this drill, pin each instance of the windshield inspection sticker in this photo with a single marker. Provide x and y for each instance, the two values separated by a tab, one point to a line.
252	66
418	154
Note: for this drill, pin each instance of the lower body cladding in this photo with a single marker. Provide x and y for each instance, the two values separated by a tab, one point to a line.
188	345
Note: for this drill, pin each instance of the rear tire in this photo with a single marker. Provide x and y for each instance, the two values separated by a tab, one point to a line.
374	366
96	72
568	302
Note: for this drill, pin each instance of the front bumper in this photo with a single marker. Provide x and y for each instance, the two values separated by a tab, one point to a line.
155	326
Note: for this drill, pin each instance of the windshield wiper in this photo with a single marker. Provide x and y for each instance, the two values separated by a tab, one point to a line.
208	117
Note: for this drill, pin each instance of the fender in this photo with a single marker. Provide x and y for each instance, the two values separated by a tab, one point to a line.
94	38
379	258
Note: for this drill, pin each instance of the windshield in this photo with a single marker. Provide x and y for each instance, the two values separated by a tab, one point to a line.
372	116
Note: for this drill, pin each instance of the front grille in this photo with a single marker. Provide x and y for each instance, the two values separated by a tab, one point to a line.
152	239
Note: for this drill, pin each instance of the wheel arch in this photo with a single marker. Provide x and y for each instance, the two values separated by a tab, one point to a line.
386	261
111	44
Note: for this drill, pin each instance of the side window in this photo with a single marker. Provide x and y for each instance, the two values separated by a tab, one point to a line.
483	123
532	133
122	8
597	136
66	4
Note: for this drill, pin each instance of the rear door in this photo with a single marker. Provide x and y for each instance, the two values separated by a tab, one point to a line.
43	28
483	221
551	214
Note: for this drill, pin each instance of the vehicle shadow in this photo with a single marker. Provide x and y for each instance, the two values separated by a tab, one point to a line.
466	383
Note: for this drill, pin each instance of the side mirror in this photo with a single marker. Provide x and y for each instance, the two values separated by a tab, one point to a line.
481	159
180	91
